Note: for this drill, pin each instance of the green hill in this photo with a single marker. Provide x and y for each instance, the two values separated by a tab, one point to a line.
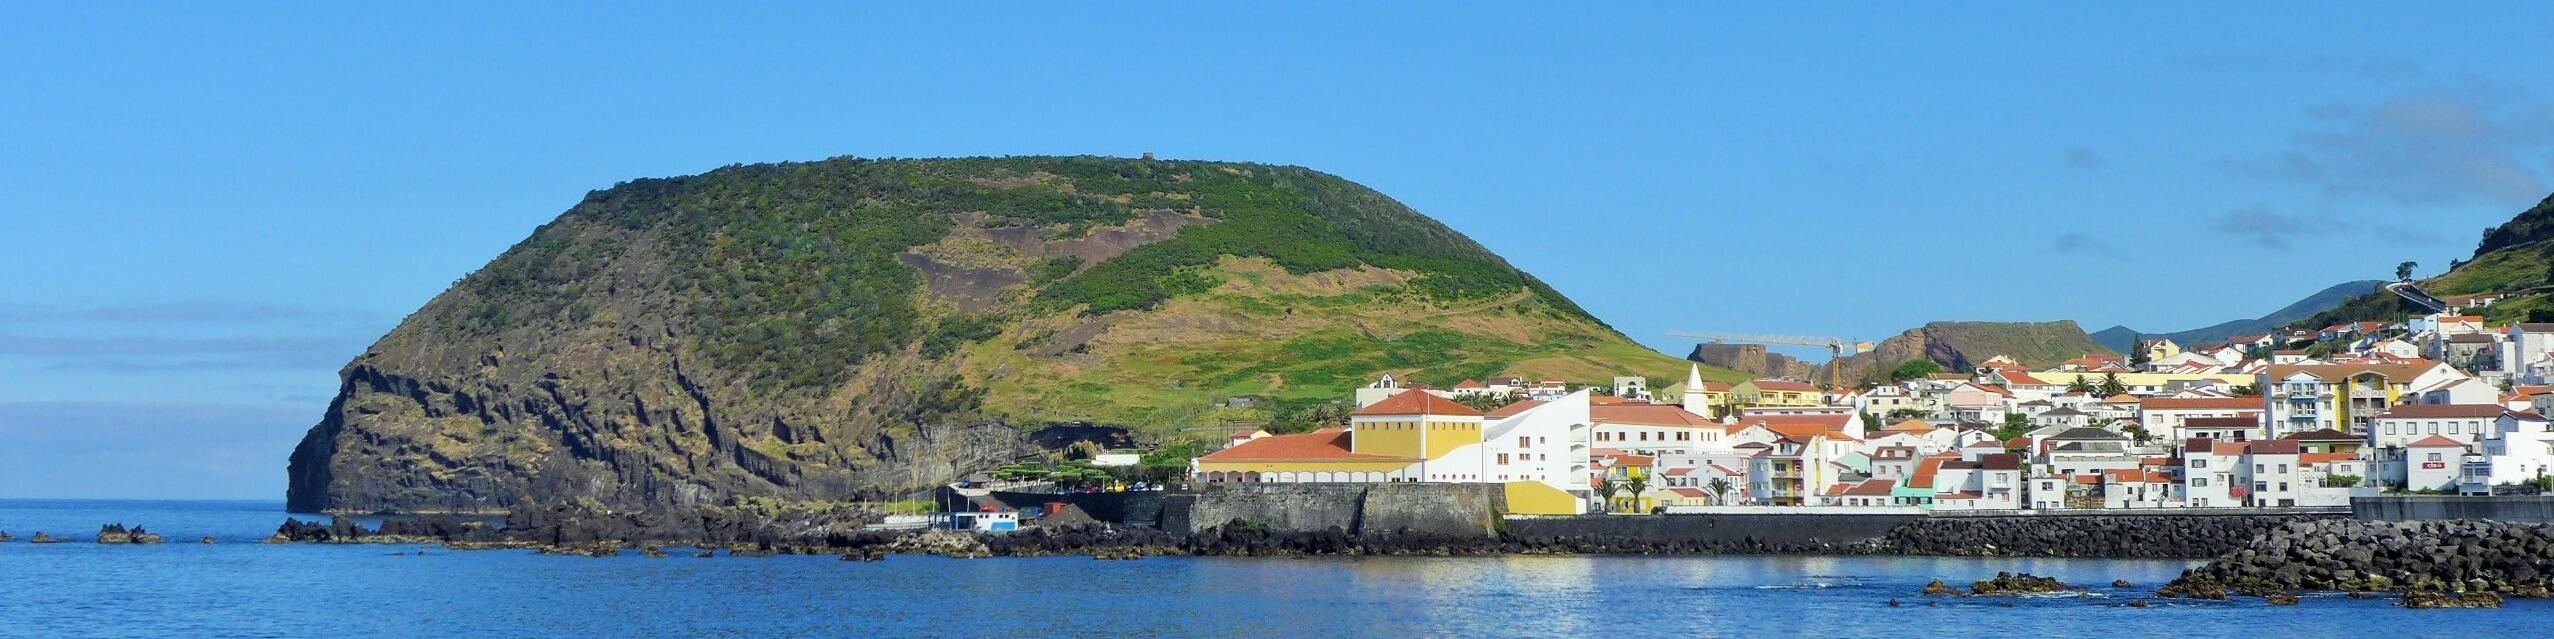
2515	258
858	328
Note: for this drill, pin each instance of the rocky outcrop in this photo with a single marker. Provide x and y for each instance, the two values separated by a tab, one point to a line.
1960	346
5	538
118	534
2112	536
2007	583
1753	360
2455	556
41	538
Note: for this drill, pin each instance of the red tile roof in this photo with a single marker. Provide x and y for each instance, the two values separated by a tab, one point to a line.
1687	491
1511	410
1328	444
2436	441
2445	410
1872	488
1417	402
2325	458
2223	422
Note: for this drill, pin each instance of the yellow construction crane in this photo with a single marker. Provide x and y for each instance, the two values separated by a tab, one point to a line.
1836	346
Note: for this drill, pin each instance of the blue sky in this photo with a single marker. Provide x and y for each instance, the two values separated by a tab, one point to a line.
212	208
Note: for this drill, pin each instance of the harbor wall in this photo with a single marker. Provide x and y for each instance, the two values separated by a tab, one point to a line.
1447	510
2516	509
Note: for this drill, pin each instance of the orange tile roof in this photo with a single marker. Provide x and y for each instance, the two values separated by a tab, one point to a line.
1924	471
2018	377
2445	410
1912	425
1417	402
1685	491
2324	458
2436	441
1328	444
1511	410
1872	488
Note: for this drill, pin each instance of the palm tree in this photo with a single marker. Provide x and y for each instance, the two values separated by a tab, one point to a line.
1608	489
1637	485
1720	490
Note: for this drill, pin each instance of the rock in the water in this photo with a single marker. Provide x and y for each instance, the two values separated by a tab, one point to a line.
2120	583
2434	599
2006	583
118	534
5	538
1939	588
206	540
41	538
2280	599
2137	603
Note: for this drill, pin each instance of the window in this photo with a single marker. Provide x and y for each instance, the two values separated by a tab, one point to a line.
1524	442
1684	437
2433	457
2260	486
2283	468
1503	459
2199	482
2283	486
2434	428
2389	428
2199	463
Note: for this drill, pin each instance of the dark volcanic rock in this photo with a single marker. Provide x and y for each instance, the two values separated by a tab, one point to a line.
2006	583
118	534
2117	536
2454	556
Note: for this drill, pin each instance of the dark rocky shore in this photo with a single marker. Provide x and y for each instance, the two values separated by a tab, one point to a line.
2437	564
797	528
2105	536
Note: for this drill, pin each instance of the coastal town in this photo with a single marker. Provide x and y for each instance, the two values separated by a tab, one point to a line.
2439	403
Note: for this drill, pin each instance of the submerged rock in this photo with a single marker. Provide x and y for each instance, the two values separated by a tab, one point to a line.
2280	599
2433	599
2006	583
41	538
1939	588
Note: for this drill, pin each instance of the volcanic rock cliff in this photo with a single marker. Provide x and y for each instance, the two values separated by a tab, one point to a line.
856	328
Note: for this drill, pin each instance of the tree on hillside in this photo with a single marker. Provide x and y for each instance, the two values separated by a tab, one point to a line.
1914	369
1870	422
2111	385
2403	272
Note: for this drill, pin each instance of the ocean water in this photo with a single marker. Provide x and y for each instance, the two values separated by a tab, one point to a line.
239	588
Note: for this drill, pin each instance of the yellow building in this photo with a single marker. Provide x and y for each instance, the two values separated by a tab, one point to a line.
1776	392
1410	436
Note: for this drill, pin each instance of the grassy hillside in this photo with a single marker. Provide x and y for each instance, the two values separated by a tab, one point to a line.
2515	258
825	328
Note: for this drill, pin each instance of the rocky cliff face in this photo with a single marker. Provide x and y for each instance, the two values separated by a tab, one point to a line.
857	328
1754	360
1959	346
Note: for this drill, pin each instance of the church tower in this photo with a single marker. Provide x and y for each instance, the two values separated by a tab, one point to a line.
1695	401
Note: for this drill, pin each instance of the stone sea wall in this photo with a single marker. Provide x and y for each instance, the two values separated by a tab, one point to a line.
2178	535
2467	555
1715	533
1443	510
2530	509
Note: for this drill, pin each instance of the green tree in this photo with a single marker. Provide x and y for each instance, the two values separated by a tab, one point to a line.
2111	385
2080	384
1914	369
1639	483
2138	354
2015	425
1720	490
1608	489
2246	390
2403	272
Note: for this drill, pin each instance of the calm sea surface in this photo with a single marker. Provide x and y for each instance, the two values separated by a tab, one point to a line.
239	588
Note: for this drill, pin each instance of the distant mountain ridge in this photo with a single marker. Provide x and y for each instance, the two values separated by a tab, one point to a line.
2122	338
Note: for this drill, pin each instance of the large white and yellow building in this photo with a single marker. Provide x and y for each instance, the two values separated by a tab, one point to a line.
1538	449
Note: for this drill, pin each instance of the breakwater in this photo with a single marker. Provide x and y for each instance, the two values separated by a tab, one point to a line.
2458	556
2195	534
2528	509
